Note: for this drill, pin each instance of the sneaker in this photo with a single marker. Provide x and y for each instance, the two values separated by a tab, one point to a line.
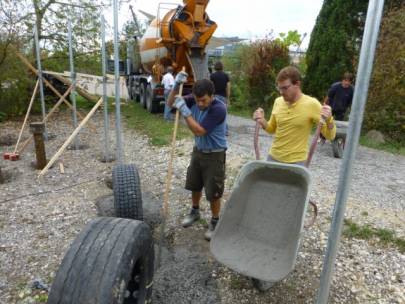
211	228
193	216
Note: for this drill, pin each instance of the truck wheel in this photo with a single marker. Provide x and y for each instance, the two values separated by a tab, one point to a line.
142	95
127	192
338	145
152	106
110	261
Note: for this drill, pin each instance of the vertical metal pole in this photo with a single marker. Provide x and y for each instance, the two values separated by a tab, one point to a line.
73	79
41	84
117	86
107	156
370	36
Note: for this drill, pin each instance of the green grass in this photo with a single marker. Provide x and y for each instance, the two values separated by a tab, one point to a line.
158	130
246	113
392	147
366	232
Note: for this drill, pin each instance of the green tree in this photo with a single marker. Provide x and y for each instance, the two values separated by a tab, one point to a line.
385	108
334	44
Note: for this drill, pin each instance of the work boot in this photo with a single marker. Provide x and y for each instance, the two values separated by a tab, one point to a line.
211	228
193	216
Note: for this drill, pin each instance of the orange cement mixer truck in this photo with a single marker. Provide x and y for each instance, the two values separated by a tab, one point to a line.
177	37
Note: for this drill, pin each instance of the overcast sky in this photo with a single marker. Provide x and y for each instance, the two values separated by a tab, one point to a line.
247	18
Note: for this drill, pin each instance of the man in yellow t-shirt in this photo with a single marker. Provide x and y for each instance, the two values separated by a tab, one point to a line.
292	118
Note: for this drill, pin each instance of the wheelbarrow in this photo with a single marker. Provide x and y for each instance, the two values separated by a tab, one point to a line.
259	232
338	144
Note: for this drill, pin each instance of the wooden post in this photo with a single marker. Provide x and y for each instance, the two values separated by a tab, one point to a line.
50	86
26	115
71	137
1	177
26	143
38	129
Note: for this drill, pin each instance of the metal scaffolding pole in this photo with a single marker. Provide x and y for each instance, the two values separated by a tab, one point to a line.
41	84
107	156
117	86
73	79
367	52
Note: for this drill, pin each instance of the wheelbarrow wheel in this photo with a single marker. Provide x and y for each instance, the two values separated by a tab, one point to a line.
338	145
262	285
127	192
110	261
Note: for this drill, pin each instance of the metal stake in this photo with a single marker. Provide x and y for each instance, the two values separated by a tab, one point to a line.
370	36
107	156
117	86
41	84
73	79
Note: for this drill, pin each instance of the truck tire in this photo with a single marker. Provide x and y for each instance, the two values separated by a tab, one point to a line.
110	261
338	146
142	94
127	192
152	106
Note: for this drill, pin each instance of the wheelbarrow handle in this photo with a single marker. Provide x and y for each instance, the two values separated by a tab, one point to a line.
256	140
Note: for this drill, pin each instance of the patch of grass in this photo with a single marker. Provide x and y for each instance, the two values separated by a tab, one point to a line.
388	146
364	213
366	232
158	130
83	103
243	112
236	282
203	222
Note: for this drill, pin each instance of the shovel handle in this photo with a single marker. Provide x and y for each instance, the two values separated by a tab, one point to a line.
256	140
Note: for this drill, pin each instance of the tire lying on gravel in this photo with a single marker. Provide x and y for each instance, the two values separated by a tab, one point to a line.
127	192
111	261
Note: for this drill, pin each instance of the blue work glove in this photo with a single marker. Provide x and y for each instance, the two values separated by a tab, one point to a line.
180	104
181	77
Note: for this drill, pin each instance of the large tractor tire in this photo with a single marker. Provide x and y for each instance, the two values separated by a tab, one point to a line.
109	262
127	192
152	106
142	95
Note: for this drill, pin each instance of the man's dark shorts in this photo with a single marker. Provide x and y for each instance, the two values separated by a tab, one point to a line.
207	170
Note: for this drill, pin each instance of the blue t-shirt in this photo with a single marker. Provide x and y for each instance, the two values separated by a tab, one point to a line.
213	120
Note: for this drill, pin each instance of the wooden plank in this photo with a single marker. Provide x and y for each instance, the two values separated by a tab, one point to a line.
70	138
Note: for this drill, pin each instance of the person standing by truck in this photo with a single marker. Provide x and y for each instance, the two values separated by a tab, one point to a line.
222	85
292	119
168	83
205	116
340	96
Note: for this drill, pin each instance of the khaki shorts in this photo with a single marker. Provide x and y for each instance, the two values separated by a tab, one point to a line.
207	170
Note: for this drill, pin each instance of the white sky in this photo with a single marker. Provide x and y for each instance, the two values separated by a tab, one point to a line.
245	18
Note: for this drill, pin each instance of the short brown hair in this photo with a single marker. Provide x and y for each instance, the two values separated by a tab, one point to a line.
348	76
218	66
289	72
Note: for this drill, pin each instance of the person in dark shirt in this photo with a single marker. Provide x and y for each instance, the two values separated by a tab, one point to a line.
340	96
205	116
222	85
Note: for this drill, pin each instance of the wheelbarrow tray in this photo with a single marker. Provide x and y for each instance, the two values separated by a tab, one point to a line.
259	232
341	128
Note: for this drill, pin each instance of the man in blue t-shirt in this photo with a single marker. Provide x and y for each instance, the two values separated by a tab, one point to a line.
340	96
206	118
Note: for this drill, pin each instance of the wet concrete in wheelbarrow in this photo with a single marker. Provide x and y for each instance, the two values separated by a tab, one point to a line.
185	272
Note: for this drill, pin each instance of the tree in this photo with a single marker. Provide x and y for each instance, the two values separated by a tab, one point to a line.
334	44
385	108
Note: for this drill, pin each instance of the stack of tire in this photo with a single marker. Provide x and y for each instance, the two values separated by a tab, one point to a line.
112	259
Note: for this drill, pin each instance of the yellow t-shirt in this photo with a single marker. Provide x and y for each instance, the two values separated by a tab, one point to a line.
292	125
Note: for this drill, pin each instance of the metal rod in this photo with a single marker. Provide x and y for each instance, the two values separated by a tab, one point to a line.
107	156
41	84
367	52
117	86
73	79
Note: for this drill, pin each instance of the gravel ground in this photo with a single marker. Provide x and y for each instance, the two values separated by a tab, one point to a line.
40	218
